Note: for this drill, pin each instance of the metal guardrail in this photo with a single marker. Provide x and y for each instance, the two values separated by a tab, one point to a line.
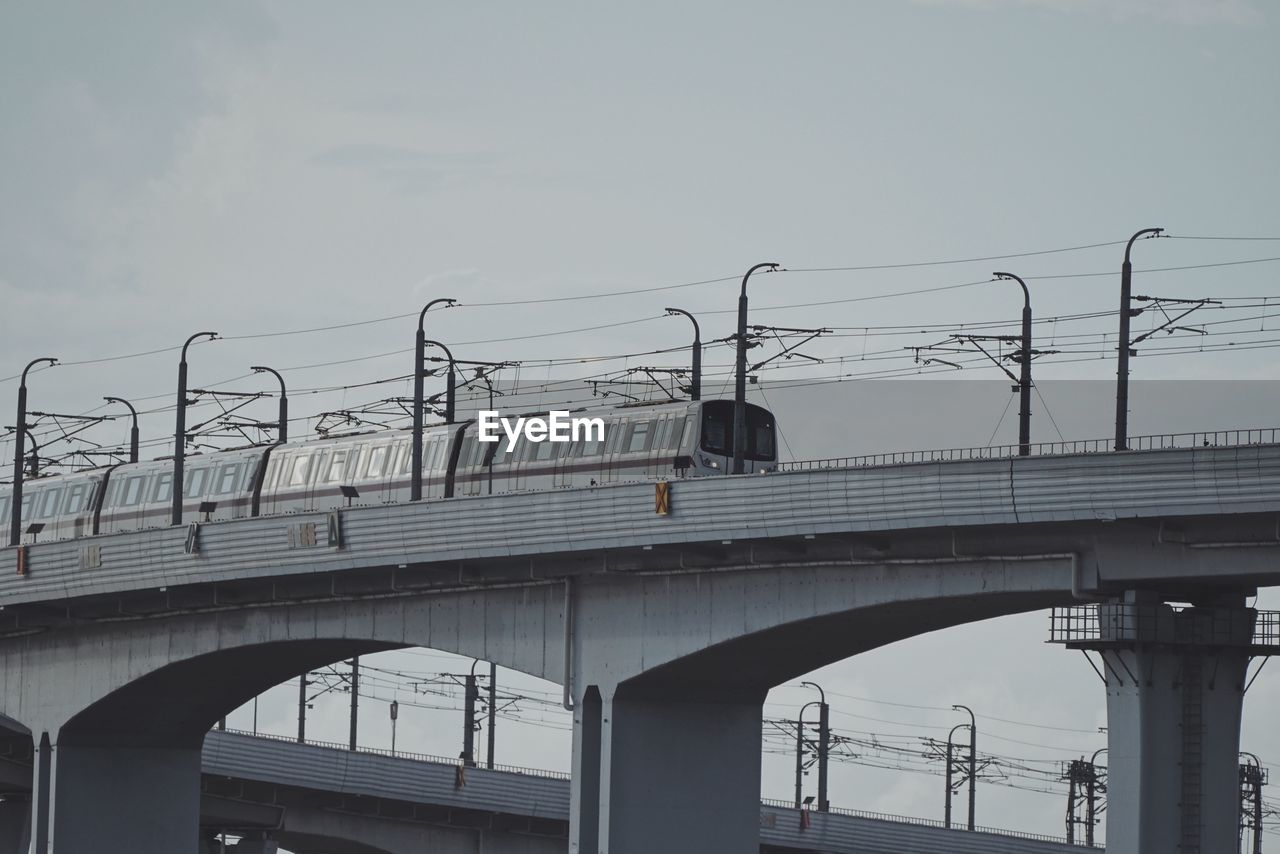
925	822
557	775
1127	623
405	754
1156	442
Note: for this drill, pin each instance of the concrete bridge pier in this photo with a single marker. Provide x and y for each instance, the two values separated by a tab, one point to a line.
676	772
1175	691
15	824
86	790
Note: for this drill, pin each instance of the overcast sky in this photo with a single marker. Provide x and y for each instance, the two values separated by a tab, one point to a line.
257	168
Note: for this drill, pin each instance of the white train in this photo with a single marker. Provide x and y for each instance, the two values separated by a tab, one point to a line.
641	442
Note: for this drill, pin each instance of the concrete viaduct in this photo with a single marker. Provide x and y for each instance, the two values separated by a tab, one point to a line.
119	652
327	799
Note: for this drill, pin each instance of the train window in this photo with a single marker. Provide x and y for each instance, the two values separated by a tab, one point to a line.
399	460
663	435
162	489
338	464
613	436
592	447
717	427
377	460
49	502
228	477
4	506
132	491
75	498
194	487
299	468
468	451
682	439
545	450
638	440
760	435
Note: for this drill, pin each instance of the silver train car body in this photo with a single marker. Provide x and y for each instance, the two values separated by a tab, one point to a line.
644	442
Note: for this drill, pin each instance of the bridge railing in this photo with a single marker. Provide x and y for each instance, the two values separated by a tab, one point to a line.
1123	624
924	822
1155	442
404	754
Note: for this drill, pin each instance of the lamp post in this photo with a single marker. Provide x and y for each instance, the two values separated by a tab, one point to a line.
824	745
1122	363
740	381
419	347
450	384
180	429
19	434
395	714
1024	375
1091	795
800	751
133	431
973	758
695	383
282	434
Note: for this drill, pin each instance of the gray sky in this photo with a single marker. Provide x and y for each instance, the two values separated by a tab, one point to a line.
255	168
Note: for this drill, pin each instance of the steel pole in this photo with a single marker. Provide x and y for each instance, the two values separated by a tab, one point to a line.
180	431
799	757
1122	363
740	375
302	709
15	511
419	350
946	808
493	712
469	718
1024	375
282	429
133	431
695	382
355	698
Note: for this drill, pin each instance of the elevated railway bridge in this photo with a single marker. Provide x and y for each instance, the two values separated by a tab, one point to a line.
666	612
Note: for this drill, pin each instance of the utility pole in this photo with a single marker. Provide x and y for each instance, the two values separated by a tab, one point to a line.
740	375
695	382
180	431
20	432
133	431
800	758
493	711
395	713
824	744
1082	790
1024	375
1122	363
355	697
471	694
1252	778
282	416
302	708
419	351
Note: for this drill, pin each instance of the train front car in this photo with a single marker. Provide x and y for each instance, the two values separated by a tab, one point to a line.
714	452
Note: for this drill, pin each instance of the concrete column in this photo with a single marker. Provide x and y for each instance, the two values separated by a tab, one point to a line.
146	799
584	800
15	824
680	776
1174	701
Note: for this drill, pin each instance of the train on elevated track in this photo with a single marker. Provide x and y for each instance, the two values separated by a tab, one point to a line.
640	442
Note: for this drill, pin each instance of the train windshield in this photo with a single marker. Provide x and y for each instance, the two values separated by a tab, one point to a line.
717	430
